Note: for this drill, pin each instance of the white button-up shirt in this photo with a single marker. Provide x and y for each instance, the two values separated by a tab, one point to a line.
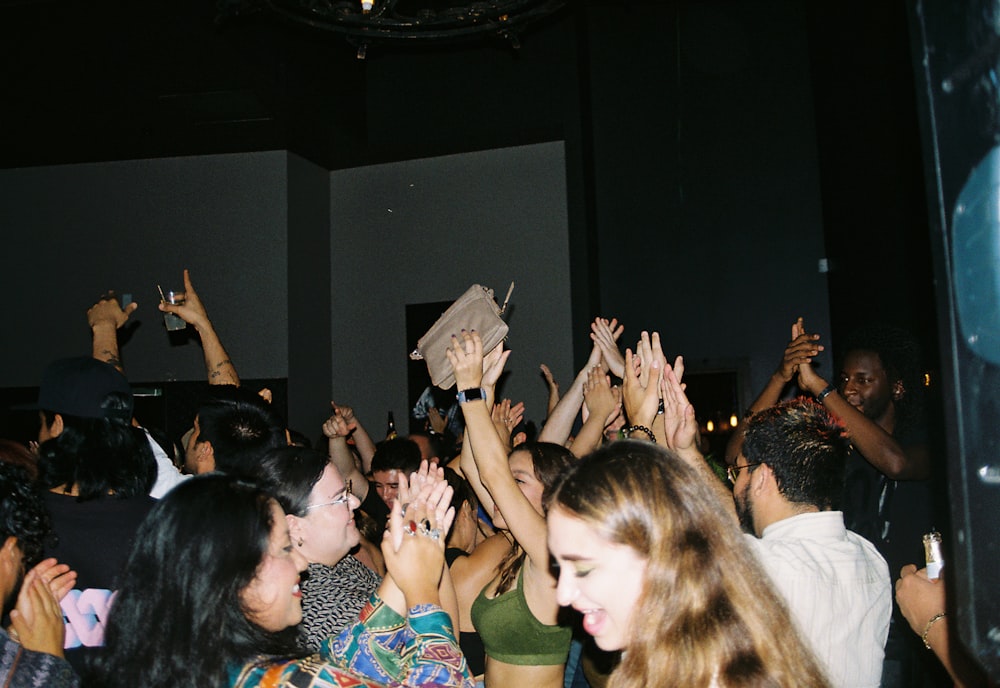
837	588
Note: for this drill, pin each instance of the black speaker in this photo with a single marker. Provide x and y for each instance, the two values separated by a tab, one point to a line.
956	53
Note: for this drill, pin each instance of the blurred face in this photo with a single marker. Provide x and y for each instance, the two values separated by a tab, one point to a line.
386	485
273	598
601	579
522	467
865	384
426	451
328	531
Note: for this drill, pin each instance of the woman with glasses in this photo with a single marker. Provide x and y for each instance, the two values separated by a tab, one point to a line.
210	596
319	508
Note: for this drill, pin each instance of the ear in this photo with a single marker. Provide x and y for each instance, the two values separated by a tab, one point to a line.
898	390
9	548
295	527
57	426
10	560
205	456
519	439
762	480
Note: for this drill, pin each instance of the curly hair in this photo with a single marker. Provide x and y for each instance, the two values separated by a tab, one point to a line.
706	614
900	356
22	513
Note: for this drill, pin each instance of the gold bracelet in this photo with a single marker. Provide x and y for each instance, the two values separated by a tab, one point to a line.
927	629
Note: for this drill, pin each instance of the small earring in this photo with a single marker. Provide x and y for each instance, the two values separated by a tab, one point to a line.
299	543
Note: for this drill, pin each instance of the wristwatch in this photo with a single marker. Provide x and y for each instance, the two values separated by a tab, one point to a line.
471	394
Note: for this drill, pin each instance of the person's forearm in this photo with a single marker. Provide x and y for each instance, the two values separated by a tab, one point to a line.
877	446
590	435
365	446
560	422
104	343
471	472
433	655
448	597
218	366
488	452
343	458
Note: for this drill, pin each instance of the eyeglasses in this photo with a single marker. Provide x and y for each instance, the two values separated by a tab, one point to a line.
343	499
734	471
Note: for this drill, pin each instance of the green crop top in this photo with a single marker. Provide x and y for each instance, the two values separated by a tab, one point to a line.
512	634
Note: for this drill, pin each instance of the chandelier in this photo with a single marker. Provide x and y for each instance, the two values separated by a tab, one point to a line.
373	22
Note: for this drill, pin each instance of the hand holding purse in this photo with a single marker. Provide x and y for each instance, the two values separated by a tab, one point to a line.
477	310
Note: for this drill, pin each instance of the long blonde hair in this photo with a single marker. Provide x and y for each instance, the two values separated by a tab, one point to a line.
707	614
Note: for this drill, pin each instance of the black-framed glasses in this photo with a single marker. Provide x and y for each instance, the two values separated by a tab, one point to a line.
734	471
342	499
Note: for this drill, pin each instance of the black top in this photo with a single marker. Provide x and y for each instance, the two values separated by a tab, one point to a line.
94	539
470	642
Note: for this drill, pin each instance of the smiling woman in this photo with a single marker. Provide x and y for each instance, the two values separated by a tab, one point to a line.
647	554
319	508
211	596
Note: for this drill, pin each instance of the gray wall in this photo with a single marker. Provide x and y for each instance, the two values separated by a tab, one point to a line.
307	273
424	231
73	232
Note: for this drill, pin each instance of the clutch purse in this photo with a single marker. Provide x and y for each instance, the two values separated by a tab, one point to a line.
477	310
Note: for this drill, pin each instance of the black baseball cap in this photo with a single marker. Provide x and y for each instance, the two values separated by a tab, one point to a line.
79	387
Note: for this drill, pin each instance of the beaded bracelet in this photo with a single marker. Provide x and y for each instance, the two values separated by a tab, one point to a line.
927	629
641	428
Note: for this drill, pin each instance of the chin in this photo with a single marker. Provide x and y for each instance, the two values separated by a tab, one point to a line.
609	644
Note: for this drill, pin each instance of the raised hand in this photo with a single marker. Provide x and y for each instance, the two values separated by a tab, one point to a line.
601	399
605	334
680	427
437	422
553	387
59	577
641	382
422	512
108	311
493	365
335	427
505	417
37	620
193	310
800	350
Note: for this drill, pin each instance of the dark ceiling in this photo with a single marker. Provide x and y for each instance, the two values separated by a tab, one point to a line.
88	81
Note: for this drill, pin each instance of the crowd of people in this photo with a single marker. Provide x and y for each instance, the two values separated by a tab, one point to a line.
596	547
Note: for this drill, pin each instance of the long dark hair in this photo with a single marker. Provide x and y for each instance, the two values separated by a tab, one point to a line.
178	617
548	461
100	456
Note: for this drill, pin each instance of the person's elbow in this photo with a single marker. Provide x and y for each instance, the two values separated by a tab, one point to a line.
905	465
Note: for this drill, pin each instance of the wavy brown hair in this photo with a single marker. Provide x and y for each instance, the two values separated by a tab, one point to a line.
707	611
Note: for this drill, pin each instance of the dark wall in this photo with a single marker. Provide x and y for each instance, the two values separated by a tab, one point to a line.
746	138
709	224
